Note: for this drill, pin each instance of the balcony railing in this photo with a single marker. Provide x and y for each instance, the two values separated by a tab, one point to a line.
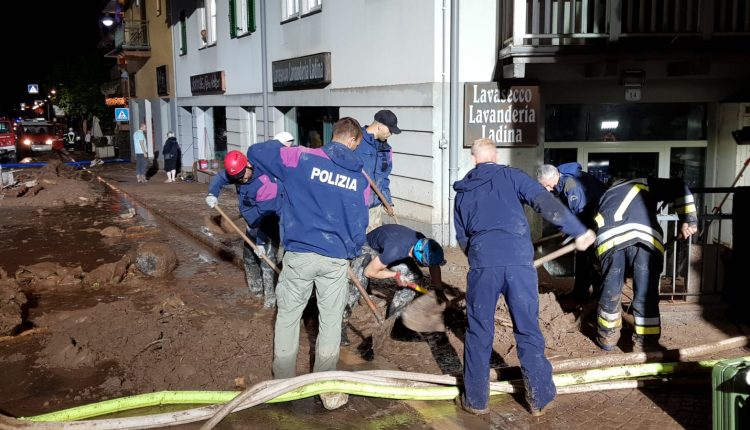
579	22
132	35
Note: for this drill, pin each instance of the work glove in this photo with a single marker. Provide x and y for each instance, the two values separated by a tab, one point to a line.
585	240
211	201
400	281
260	251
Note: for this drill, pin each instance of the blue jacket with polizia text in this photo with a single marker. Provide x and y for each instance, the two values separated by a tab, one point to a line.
377	158
324	209
579	190
491	226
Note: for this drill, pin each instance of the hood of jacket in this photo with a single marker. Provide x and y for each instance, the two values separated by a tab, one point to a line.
573	169
342	156
478	176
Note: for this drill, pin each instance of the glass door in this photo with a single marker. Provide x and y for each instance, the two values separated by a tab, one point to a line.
608	165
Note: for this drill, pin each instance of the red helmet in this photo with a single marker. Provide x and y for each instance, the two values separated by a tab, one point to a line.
235	163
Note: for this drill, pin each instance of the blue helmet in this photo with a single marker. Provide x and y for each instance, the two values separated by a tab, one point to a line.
427	252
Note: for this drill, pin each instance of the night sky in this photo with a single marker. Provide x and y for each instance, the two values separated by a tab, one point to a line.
39	34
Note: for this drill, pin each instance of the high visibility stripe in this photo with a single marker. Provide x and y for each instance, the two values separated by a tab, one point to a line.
685	209
629	199
683	201
609	316
647	321
609	324
647	330
625	228
606	246
599	220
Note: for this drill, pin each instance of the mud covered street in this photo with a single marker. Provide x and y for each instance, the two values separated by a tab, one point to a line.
111	288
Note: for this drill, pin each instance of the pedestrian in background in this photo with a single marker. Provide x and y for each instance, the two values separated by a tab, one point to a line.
172	156
141	153
87	142
580	191
492	229
629	239
377	156
324	217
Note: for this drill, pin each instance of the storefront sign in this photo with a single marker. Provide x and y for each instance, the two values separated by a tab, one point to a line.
208	83
161	81
508	114
312	71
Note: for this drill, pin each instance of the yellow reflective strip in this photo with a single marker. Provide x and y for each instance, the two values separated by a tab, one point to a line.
647	330
609	324
599	220
606	246
685	209
629	199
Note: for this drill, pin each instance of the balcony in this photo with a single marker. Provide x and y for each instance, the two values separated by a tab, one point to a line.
131	40
565	25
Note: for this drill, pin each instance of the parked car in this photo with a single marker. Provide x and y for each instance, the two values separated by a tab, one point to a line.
7	141
35	136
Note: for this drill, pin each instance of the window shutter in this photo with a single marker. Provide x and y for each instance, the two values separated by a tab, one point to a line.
250	15
232	19
183	34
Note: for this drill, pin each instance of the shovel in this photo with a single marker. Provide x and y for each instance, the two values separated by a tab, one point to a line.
425	313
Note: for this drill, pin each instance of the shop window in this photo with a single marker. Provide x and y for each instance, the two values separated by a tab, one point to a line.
219	114
310	126
241	17
625	122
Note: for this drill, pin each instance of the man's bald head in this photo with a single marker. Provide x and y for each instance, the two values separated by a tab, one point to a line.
484	151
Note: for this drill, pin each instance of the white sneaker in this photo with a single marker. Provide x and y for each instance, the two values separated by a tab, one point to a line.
333	401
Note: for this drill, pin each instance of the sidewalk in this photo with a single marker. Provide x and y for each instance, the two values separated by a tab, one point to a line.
183	205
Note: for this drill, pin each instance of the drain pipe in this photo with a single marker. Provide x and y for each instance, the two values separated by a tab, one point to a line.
444	118
264	66
453	141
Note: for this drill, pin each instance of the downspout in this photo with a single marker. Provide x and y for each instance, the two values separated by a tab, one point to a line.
264	65
444	118
453	141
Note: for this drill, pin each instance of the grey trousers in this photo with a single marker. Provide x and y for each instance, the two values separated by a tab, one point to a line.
301	272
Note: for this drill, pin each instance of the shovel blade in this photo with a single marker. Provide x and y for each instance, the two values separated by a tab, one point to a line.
425	314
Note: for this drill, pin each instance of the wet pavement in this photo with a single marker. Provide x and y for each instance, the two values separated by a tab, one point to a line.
178	211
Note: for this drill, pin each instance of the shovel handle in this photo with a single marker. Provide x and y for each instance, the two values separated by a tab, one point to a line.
381	197
248	241
365	296
555	254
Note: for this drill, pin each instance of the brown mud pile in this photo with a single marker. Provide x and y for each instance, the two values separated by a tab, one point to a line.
55	184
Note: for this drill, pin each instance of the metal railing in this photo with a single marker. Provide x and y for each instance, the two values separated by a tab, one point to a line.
132	35
580	22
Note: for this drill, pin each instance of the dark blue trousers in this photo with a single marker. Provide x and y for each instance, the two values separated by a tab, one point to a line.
519	286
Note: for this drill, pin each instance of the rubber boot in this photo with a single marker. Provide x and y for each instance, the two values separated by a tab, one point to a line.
253	274
344	323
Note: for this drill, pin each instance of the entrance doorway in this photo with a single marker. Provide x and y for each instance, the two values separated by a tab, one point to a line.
629	165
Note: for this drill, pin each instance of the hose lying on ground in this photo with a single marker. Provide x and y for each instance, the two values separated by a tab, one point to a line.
375	383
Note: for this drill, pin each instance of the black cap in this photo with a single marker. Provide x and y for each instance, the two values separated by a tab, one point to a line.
388	119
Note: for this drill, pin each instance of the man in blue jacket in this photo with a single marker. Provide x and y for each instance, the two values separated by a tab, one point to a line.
492	229
257	195
580	191
377	156
324	217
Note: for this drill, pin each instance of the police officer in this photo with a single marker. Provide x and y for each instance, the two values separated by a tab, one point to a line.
395	252
580	191
491	227
629	237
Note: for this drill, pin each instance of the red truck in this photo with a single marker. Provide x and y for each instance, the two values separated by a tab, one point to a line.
7	141
33	136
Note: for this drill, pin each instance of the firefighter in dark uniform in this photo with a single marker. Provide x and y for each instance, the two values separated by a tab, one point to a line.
628	238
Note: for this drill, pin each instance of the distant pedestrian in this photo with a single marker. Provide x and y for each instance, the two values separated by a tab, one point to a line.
492	229
377	156
580	191
141	153
172	155
87	142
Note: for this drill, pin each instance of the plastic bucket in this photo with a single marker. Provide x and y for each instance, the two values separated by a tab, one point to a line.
203	164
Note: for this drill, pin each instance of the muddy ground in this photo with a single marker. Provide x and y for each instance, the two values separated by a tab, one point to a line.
80	321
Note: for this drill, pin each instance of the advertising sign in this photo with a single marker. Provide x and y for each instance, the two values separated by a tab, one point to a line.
508	114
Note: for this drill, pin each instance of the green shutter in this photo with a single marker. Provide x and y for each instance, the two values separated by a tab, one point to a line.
250	15
232	19
183	34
